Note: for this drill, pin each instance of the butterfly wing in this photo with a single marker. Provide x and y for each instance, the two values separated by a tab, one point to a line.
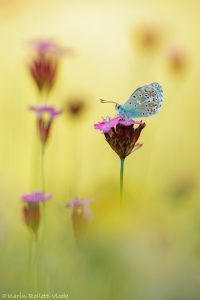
145	101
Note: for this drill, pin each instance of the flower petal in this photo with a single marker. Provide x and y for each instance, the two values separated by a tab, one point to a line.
129	122
36	196
46	108
107	123
137	147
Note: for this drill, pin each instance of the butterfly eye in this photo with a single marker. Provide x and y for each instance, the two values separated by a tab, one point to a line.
134	96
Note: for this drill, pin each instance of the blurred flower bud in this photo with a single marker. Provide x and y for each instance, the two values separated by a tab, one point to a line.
81	215
44	64
44	70
45	116
31	214
148	36
75	106
31	211
177	59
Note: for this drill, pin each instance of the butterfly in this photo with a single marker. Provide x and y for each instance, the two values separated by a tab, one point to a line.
145	101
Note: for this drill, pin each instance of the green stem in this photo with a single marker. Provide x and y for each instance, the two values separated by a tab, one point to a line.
121	180
42	270
42	168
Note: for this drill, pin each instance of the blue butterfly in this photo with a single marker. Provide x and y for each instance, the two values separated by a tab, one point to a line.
144	102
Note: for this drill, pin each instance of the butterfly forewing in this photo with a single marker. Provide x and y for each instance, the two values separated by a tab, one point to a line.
145	101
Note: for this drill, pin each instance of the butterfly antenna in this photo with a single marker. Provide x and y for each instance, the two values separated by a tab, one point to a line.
106	101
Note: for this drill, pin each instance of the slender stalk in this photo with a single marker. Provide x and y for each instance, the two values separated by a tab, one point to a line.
42	167
121	180
29	264
42	260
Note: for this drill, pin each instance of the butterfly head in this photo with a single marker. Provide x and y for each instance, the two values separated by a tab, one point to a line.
119	109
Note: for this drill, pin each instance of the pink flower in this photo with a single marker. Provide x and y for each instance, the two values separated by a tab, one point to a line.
107	124
121	134
45	116
46	108
36	196
81	205
129	122
31	210
81	215
48	46
44	65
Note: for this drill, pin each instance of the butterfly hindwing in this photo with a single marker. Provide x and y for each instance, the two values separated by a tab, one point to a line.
145	101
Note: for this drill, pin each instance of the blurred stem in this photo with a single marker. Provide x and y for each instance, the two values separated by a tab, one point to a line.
43	182
75	163
42	260
29	265
32	266
121	180
42	167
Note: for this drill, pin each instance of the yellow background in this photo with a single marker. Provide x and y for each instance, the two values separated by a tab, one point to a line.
154	247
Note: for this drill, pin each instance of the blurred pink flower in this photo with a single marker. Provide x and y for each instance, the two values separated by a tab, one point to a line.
82	205
44	65
43	70
49	46
31	211
45	116
46	108
81	215
177	59
36	196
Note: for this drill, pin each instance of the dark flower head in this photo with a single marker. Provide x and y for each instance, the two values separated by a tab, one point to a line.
75	106
121	134
44	70
45	116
